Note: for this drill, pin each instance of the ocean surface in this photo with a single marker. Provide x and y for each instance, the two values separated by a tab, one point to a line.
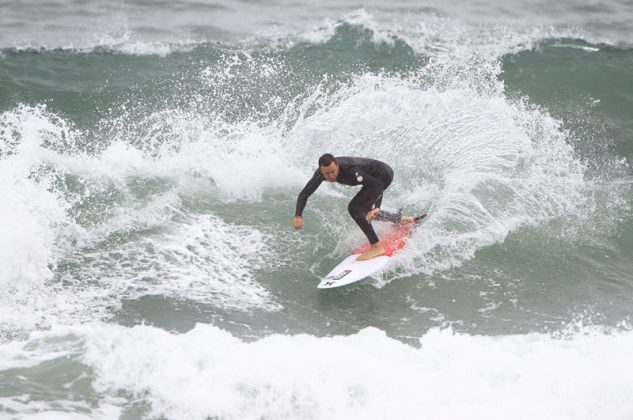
151	153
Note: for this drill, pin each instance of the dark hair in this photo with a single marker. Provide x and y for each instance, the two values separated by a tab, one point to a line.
326	159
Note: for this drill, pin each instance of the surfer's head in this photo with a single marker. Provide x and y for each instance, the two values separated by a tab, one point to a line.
328	167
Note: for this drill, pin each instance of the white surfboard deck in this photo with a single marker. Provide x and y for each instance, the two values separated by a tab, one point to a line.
351	270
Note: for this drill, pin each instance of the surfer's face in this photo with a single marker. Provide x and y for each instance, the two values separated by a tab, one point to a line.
330	172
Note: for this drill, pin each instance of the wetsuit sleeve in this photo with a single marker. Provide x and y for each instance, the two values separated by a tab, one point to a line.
307	191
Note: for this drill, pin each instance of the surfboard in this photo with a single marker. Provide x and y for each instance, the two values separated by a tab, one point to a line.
350	270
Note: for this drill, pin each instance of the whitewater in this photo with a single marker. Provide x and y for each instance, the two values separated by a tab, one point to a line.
150	160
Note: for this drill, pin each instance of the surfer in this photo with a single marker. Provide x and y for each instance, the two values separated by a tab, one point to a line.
374	176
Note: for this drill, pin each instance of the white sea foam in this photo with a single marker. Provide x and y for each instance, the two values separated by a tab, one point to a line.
31	211
197	257
141	48
360	19
209	373
203	259
242	159
58	410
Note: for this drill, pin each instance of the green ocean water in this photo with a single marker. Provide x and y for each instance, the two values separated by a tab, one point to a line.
149	190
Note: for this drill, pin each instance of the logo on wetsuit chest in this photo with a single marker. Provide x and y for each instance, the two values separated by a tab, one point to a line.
359	178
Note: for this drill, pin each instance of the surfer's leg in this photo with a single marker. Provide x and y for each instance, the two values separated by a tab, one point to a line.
376	213
358	209
386	216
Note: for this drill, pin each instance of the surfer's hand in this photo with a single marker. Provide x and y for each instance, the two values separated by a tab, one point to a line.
373	214
298	222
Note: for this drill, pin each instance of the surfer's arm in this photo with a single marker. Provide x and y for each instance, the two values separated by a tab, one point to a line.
307	191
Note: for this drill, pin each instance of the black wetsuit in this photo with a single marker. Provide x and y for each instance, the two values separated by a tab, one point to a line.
374	175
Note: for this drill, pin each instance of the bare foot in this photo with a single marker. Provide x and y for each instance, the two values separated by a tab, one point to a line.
407	219
376	250
373	214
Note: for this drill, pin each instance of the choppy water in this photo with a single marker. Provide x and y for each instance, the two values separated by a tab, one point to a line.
150	159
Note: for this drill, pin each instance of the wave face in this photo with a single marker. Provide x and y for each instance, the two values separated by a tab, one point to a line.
149	169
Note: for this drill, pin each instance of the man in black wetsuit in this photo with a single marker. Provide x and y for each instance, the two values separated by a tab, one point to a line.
373	175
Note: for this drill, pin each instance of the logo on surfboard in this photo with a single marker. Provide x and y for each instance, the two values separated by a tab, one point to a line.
339	275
